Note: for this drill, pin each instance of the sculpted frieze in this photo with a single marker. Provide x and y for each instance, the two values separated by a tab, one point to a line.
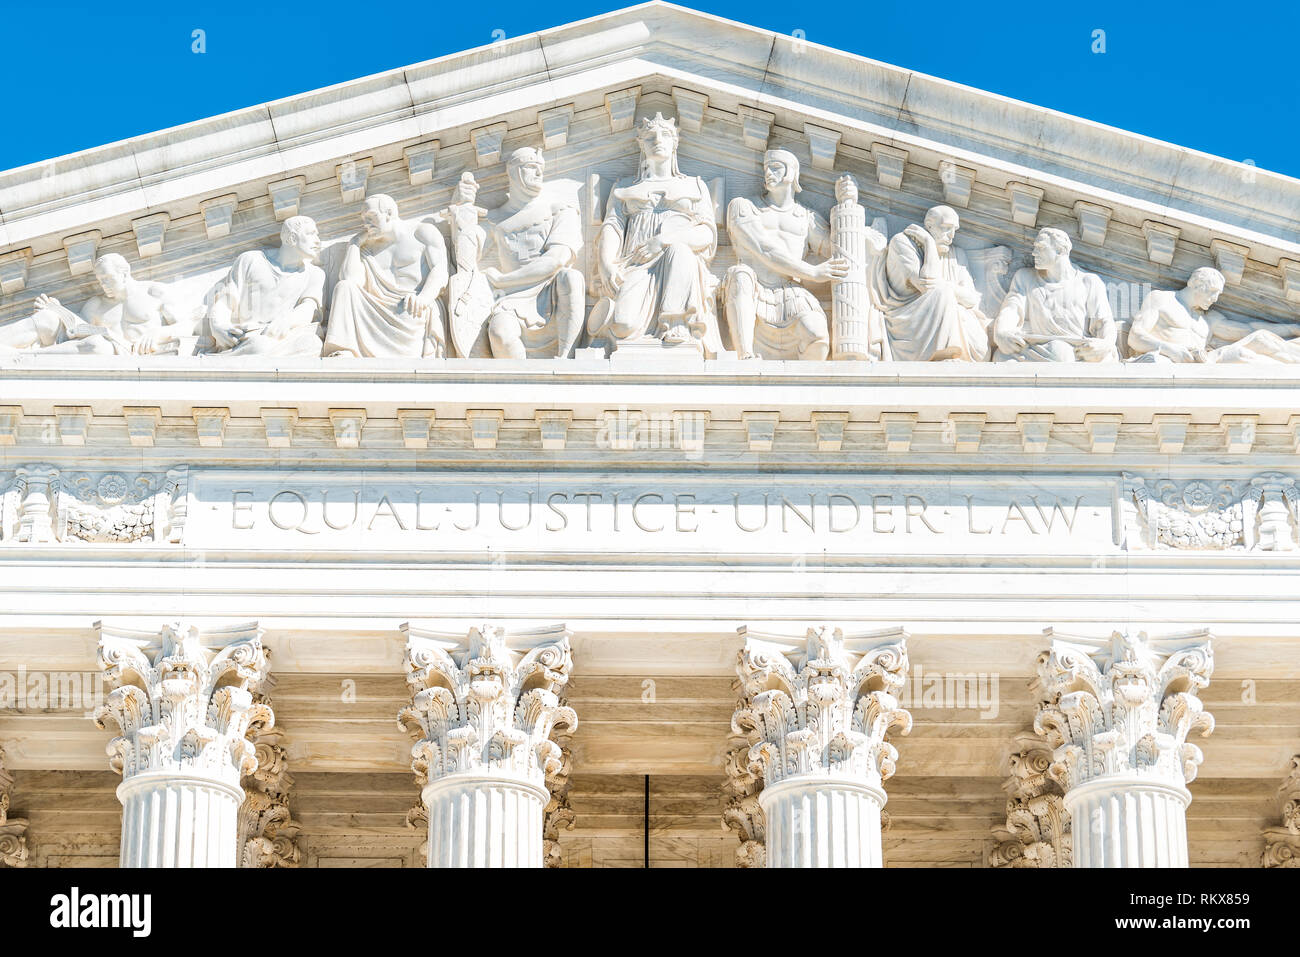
44	504
388	297
1257	514
654	250
771	314
1184	326
271	302
530	305
127	316
810	282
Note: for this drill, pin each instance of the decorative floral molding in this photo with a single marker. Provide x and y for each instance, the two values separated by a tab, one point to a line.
1260	514
42	504
268	832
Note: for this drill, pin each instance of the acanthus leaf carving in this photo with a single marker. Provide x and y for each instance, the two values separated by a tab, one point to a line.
268	833
1282	844
1124	706
184	700
13	830
824	709
1037	829
487	702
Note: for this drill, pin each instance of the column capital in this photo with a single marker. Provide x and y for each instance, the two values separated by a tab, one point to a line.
268	834
1121	708
1037	831
821	706
1282	844
744	812
184	700
487	702
13	830
558	812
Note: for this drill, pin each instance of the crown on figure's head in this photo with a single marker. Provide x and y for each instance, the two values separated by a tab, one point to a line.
658	121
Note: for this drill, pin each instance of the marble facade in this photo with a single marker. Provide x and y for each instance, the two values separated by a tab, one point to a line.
637	427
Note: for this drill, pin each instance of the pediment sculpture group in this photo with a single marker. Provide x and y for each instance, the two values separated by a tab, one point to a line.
395	290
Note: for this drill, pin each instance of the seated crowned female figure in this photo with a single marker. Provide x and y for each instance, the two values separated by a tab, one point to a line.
653	251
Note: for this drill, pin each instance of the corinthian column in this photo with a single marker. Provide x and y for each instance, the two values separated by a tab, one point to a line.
1118	711
484	707
184	701
815	713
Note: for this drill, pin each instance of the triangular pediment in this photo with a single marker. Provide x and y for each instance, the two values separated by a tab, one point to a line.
181	204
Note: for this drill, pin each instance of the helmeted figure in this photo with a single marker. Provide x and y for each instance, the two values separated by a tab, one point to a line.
770	312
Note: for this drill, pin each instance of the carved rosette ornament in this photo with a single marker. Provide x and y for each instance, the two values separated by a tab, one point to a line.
1118	713
184	702
1261	514
268	834
13	830
44	505
1037	832
815	713
484	708
1282	844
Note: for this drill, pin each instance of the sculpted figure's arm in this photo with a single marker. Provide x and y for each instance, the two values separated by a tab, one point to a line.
1006	328
1143	336
609	245
1101	322
560	251
1225	330
754	241
352	269
74	325
435	257
306	311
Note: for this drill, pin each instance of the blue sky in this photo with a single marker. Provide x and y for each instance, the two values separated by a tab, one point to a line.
1217	78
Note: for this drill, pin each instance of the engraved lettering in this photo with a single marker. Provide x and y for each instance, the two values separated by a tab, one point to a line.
237	506
681	511
830	508
501	513
915	507
550	503
294	526
735	498
637	504
468	528
970	519
419	525
392	513
325	509
877	513
810	519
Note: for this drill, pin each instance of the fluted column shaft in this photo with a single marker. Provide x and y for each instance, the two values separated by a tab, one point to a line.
178	820
478	820
822	822
1126	822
